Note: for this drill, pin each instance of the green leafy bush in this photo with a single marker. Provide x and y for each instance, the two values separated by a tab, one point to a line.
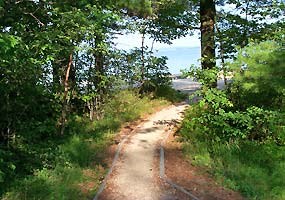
170	94
239	134
216	117
259	76
78	151
125	106
207	77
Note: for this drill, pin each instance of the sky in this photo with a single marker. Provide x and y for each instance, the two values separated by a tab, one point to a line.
134	40
181	53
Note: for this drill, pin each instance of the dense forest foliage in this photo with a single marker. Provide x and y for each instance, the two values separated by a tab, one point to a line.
66	88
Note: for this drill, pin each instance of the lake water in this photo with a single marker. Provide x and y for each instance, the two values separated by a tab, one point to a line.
180	58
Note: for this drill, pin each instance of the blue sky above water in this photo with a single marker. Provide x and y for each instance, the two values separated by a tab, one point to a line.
182	53
180	57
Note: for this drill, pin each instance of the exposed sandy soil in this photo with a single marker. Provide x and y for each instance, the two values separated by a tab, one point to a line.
134	177
136	174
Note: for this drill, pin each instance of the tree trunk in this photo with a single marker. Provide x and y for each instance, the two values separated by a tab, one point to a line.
143	59
245	26
65	93
222	56
9	120
99	62
207	20
91	106
99	70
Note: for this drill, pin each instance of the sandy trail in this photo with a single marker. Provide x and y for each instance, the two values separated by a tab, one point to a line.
134	174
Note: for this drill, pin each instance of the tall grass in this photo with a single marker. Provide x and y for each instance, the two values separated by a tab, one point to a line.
257	171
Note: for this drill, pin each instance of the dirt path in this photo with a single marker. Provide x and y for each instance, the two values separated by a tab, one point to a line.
135	176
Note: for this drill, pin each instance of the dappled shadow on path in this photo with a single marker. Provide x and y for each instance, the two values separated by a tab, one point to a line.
147	130
171	122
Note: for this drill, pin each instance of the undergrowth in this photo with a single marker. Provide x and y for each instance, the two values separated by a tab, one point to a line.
243	150
169	94
73	167
238	134
255	169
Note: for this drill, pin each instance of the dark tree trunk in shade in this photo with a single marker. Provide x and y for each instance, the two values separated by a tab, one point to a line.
99	62
96	102
142	57
207	20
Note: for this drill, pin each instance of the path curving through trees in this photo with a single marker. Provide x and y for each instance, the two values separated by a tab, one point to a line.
134	175
134	172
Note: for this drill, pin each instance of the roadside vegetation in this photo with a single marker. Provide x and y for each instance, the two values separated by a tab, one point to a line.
73	166
238	134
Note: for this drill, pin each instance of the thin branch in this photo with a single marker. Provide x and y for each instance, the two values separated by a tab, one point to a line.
40	23
116	33
152	44
21	1
33	16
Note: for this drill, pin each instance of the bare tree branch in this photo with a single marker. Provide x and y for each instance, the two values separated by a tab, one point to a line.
39	22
